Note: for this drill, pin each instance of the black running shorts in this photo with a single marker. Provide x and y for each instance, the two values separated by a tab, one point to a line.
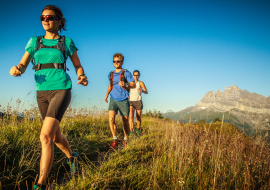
53	103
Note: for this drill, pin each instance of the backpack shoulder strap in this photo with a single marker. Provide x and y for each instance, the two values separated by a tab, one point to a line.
111	78
122	76
61	46
39	43
38	46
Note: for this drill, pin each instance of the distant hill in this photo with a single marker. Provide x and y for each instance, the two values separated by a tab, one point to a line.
247	111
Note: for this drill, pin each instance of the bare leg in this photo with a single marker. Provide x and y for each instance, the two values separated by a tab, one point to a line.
112	122
126	125
131	118
62	143
138	116
47	133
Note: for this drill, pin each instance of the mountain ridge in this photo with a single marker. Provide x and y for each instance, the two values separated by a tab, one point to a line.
249	110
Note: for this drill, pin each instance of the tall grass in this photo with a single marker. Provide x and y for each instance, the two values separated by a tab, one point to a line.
190	156
166	156
87	131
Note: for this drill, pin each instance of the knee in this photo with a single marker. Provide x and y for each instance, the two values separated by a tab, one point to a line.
131	116
125	120
45	139
111	119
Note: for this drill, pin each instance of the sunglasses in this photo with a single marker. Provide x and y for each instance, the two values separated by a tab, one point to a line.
136	75
48	17
117	61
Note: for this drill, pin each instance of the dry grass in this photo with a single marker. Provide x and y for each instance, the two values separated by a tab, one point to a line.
166	156
190	156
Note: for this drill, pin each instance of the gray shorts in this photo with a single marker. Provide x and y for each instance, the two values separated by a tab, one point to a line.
122	106
138	105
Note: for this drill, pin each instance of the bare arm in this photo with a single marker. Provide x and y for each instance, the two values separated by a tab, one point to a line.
143	88
108	92
21	67
79	69
132	85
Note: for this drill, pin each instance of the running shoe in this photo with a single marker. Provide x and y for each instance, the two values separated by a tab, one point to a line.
73	163
130	133
114	144
39	187
138	131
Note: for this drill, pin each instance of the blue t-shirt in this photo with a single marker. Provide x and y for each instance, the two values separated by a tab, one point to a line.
118	93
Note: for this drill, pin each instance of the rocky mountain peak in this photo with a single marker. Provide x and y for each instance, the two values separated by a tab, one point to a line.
218	93
235	98
246	110
232	89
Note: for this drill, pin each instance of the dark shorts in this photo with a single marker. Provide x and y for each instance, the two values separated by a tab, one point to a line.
53	103
122	106
138	105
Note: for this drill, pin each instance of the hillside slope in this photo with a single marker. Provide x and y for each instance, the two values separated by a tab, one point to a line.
190	156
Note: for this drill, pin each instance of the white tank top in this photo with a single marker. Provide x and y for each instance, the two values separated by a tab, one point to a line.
134	93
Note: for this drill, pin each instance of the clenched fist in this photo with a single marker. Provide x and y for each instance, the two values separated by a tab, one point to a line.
15	71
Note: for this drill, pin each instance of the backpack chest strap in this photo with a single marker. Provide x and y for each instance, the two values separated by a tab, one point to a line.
49	66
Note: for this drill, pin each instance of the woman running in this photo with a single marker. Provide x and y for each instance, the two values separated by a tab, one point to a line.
53	85
135	100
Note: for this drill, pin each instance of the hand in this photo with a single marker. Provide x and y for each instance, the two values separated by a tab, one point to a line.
82	80
15	71
121	83
140	89
129	97
105	99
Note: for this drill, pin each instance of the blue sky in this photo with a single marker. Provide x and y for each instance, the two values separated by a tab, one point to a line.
182	48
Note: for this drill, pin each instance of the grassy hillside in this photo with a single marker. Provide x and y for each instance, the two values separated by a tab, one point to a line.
166	156
87	133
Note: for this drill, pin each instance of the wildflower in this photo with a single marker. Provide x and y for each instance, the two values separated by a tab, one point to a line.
32	128
93	184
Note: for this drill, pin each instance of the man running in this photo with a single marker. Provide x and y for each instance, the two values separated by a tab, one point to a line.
120	80
135	100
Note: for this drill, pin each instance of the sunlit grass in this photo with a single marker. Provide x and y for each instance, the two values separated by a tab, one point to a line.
166	156
87	131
